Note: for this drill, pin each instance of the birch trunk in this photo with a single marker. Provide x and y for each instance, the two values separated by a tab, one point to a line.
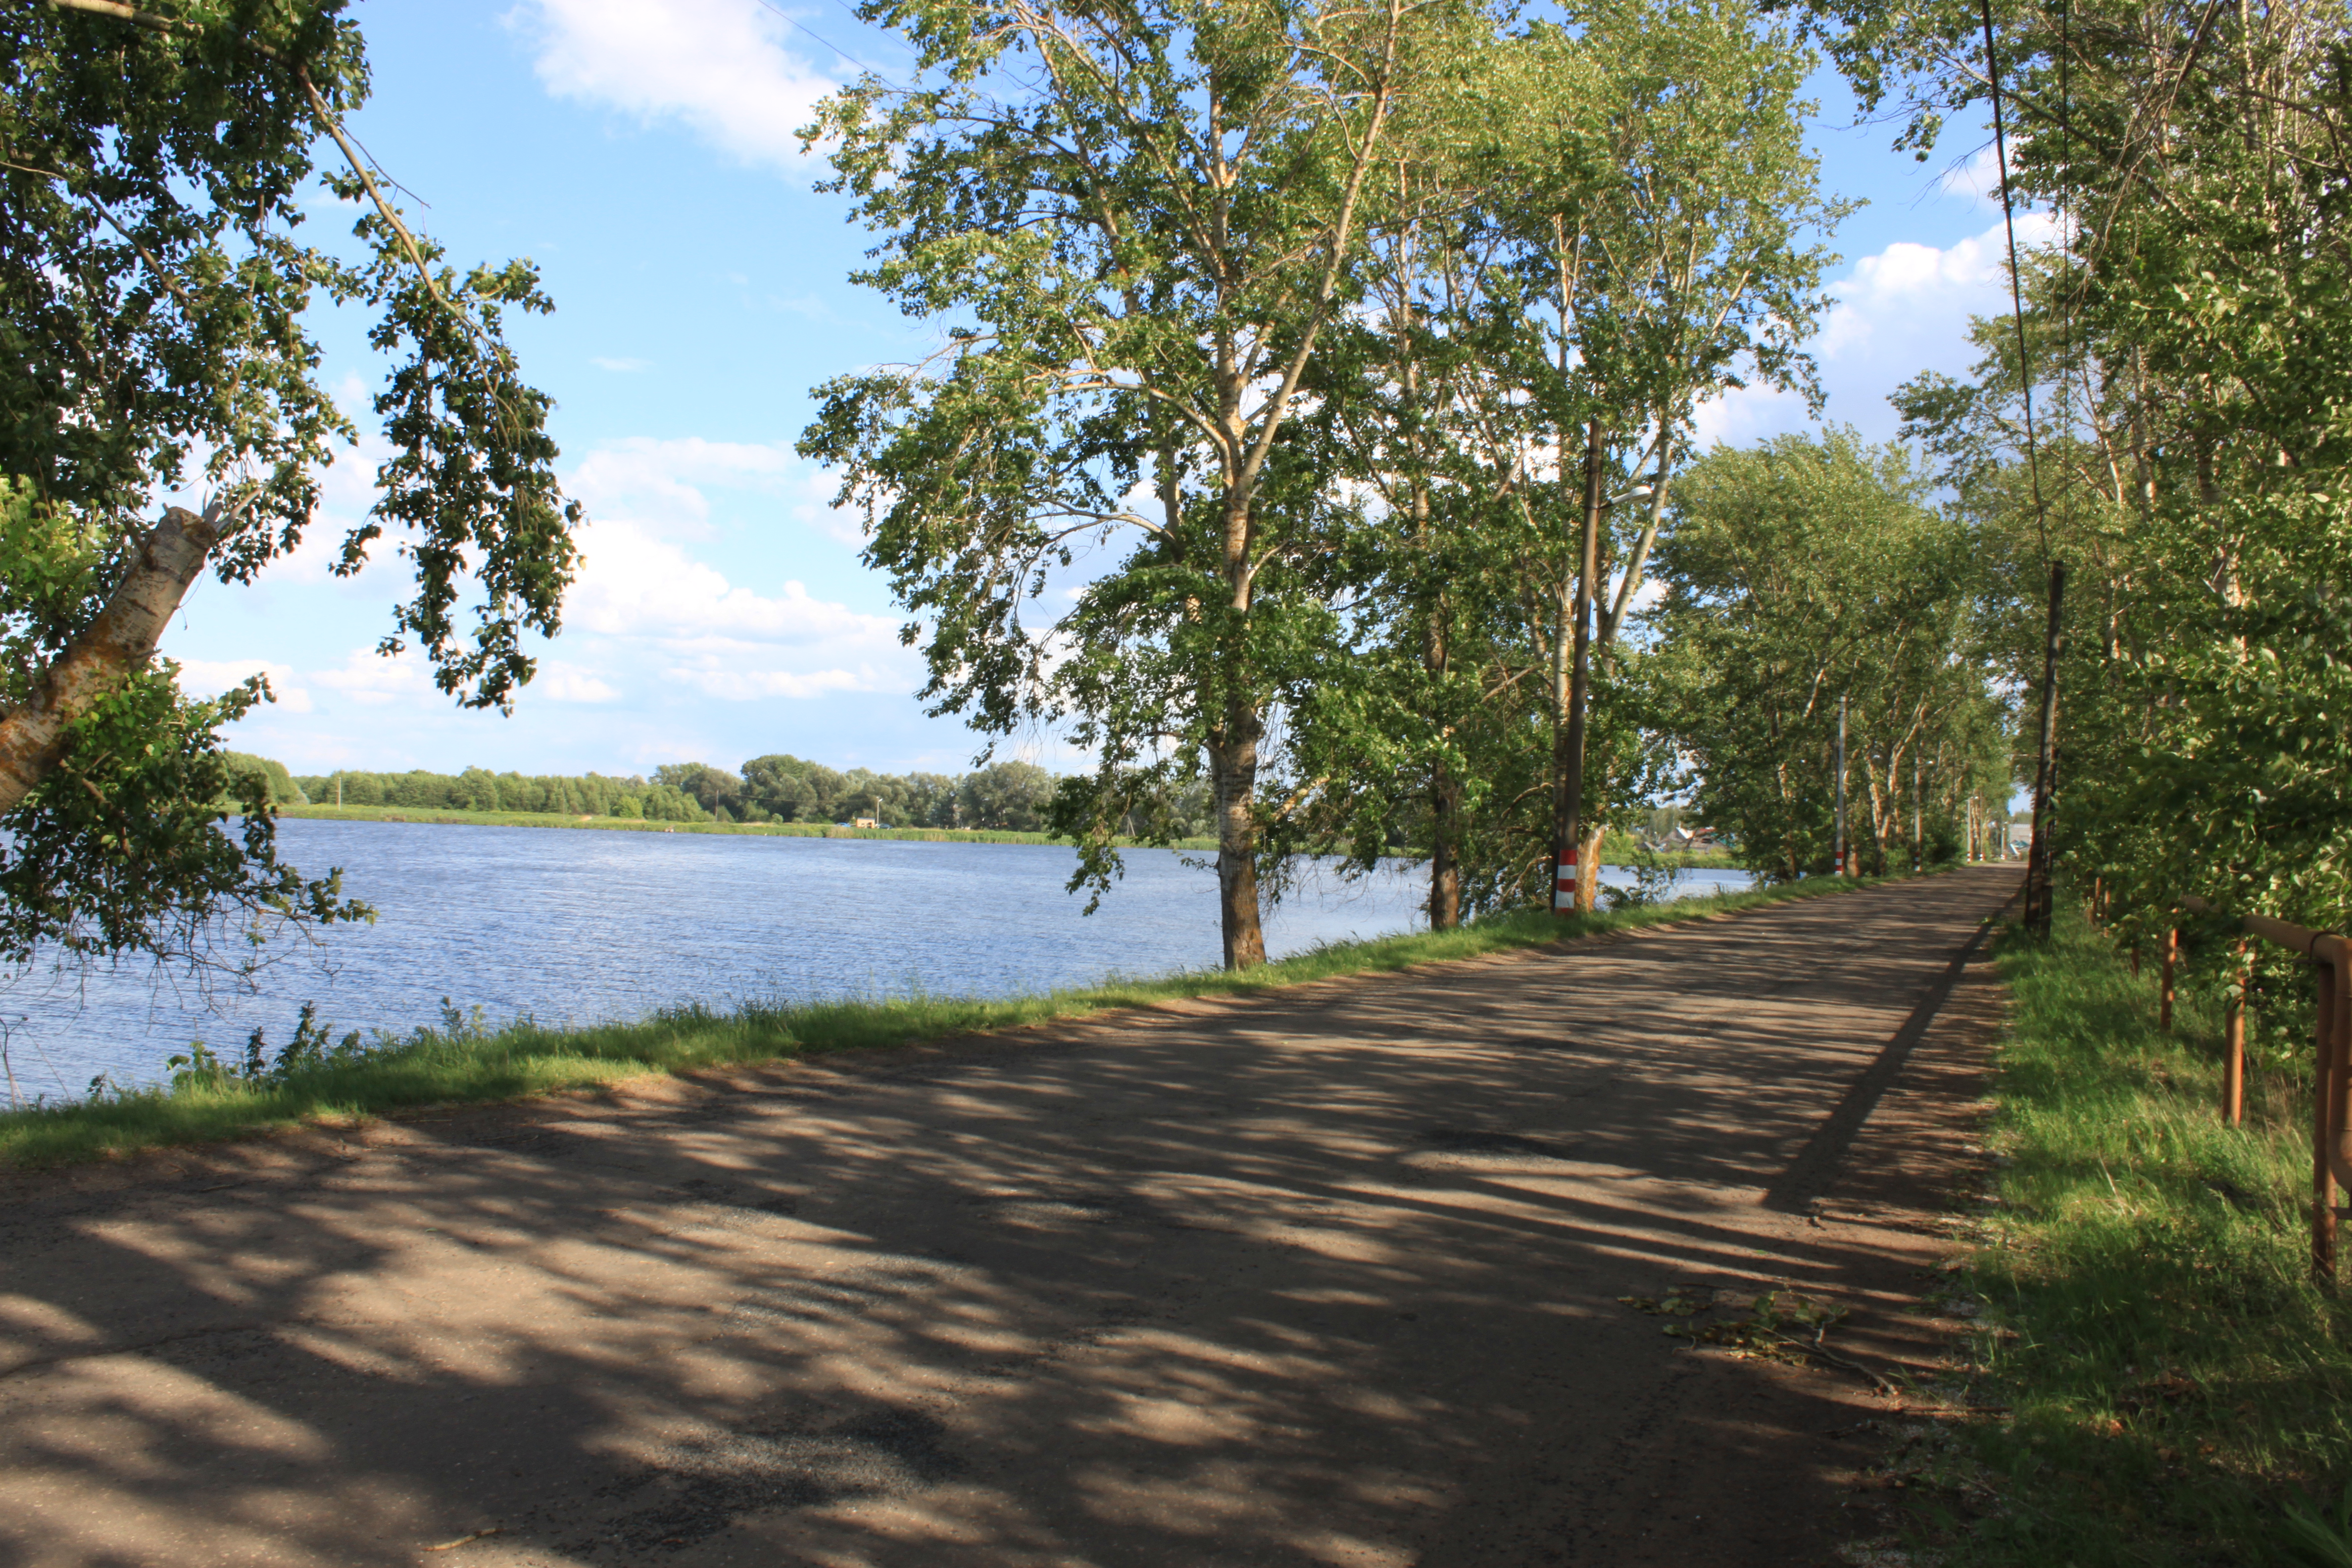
119	643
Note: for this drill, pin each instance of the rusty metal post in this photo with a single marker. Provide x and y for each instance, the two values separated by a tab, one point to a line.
2323	1105
2337	954
2164	985
2233	1046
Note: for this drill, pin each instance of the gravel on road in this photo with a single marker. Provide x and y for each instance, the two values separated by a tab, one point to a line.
1337	1275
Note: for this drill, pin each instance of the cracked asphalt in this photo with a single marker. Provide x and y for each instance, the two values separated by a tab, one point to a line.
1329	1276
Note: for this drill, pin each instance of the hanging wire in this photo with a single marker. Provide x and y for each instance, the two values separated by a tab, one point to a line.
2070	352
2016	288
792	21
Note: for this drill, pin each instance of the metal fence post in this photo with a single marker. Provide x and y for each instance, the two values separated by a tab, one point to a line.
2323	1105
2233	1046
2164	1003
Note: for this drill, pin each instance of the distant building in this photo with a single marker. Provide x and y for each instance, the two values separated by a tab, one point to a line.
864	822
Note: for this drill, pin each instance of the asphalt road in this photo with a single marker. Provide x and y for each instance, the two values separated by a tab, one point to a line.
1331	1277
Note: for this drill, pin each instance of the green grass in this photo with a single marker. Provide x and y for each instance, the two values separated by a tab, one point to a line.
2173	1377
468	1061
638	824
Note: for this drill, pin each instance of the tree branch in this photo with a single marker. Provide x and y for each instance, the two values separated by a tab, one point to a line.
117	643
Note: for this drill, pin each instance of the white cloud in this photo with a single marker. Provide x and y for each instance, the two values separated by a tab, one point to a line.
633	583
624	365
368	677
661	484
719	67
1745	415
560	682
1924	291
702	627
1901	311
745	685
211	676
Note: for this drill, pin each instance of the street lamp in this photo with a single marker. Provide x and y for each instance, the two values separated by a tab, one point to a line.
1568	808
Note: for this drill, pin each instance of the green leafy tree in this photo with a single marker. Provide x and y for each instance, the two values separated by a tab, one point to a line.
1798	573
1010	796
787	788
1135	224
1600	226
152	296
2182	344
715	790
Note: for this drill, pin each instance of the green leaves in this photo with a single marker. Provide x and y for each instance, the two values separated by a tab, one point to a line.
124	848
152	300
1798	573
1100	500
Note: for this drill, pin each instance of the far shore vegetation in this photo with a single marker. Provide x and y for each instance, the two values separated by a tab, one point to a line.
315	1077
705	826
784	796
1617	848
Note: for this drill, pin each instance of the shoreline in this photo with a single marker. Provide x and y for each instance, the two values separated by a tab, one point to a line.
473	1061
1614	854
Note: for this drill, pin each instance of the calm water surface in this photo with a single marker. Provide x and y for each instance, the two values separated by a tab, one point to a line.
584	926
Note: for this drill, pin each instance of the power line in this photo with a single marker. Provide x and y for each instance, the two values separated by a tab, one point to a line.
836	48
2016	288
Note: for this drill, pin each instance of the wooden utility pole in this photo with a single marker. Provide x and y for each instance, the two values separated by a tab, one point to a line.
2038	855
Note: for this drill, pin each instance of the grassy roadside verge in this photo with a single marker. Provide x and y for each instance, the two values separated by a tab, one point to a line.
468	1061
2172	1377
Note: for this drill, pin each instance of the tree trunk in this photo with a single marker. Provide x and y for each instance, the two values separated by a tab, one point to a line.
1919	832
1444	865
1445	794
1787	827
1588	871
1568	756
1882	808
120	642
1233	775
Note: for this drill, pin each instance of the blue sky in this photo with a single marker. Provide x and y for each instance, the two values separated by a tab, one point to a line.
641	153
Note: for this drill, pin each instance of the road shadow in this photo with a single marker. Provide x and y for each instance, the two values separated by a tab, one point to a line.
1320	1277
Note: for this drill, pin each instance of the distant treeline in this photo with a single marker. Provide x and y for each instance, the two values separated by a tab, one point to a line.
1004	796
1007	797
478	789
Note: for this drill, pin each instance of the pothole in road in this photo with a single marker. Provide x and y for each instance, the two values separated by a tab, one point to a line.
1459	1146
693	1489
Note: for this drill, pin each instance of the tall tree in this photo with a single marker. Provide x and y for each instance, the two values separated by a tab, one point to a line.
1667	222
1597	229
152	294
1136	223
2181	345
1801	572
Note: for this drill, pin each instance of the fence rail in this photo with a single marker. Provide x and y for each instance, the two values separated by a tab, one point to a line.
2331	1127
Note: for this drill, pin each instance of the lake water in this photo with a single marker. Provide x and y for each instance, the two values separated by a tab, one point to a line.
583	925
